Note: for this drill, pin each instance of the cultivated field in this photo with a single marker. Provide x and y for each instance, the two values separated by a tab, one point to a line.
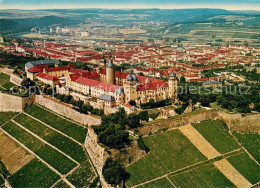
5	83
57	159
180	158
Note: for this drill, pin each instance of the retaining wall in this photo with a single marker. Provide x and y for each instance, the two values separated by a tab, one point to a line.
66	110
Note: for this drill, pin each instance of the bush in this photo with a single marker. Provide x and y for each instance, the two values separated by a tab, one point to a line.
142	145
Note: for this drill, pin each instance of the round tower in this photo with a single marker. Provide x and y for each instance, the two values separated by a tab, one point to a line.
110	72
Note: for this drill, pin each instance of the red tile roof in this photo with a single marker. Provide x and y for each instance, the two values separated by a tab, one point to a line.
94	83
46	76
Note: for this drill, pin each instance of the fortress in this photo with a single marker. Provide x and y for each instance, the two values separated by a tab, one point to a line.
112	88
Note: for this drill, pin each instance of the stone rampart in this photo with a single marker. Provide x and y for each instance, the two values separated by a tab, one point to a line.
6	71
16	79
236	121
66	110
14	103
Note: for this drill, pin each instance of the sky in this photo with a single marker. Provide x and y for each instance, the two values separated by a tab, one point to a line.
130	4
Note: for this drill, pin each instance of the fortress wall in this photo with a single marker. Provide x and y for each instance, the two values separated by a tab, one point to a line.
16	79
14	103
66	110
241	123
177	122
6	71
237	122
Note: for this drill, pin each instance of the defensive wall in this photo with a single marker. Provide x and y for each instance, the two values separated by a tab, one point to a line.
234	121
66	110
16	79
14	103
6	71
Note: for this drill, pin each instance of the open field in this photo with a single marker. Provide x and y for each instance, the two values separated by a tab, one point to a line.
61	142
251	142
246	166
57	154
6	116
56	159
4	78
175	159
169	151
8	85
34	174
61	184
158	183
205	176
67	127
82	176
212	131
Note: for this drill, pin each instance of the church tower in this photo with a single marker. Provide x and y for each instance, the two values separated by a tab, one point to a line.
110	72
172	85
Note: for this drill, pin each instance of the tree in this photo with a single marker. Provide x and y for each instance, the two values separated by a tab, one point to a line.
144	115
114	173
133	120
182	79
27	83
132	103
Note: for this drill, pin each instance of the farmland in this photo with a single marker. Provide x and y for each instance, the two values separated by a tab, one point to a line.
71	129
59	160
173	160
5	83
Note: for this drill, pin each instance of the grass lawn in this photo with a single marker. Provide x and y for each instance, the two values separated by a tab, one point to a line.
8	85
160	183
216	133
54	158
6	116
82	176
170	151
204	176
61	184
34	174
71	129
246	166
54	138
251	142
4	78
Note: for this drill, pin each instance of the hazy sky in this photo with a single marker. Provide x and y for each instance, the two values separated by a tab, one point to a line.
167	4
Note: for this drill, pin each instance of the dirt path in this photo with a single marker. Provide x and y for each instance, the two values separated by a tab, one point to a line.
199	141
232	174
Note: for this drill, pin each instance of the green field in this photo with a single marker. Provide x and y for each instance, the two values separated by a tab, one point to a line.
4	78
56	139
61	184
71	129
54	158
161	183
216	133
251	142
246	166
8	85
204	176
83	176
33	174
6	116
169	151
